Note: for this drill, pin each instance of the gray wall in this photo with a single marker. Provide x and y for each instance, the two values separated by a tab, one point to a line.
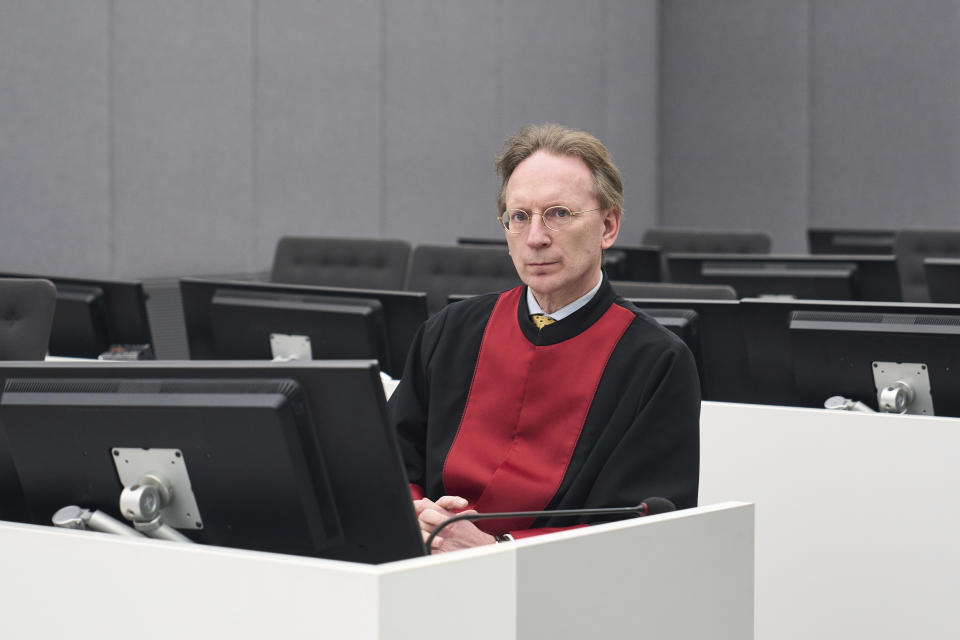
142	139
784	114
146	139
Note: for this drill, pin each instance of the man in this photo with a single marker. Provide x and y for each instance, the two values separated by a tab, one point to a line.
595	405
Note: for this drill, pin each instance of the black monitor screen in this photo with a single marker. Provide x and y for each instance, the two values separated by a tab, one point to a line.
851	241
943	279
722	362
483	241
638	264
245	449
91	316
230	319
685	324
79	322
875	278
769	341
247	325
858	355
276	434
833	281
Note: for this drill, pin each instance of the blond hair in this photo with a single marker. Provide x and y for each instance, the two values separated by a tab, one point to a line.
562	141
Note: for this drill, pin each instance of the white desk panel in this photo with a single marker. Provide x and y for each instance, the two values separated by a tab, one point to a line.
91	585
857	529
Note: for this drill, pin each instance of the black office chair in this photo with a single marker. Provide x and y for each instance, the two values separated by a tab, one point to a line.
676	240
364	263
674	290
26	315
911	247
440	270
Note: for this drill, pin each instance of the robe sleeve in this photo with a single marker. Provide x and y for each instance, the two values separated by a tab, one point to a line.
659	451
656	451
408	405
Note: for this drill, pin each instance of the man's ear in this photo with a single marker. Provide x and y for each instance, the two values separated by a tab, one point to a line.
611	227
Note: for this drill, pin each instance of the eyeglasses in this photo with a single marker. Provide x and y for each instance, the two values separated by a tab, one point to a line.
554	218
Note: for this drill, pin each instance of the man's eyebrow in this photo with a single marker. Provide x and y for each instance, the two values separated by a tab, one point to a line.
554	201
543	208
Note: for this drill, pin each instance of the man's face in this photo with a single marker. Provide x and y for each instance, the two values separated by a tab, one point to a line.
558	266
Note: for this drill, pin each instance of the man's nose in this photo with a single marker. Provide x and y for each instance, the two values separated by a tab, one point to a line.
538	234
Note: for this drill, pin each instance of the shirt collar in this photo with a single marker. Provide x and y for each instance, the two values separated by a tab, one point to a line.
534	307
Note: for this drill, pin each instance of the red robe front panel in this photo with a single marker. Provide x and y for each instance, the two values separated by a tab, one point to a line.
525	411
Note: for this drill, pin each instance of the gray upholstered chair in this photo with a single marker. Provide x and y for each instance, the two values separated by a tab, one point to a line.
911	247
674	290
440	270
675	240
26	315
365	263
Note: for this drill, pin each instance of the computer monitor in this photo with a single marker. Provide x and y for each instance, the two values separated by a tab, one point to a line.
875	277
254	437
770	347
638	264
240	456
482	241
685	324
340	322
92	316
718	340
943	279
903	362
833	281
851	241
240	324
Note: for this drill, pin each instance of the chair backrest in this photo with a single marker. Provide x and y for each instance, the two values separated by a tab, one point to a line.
911	247
26	315
440	270
674	240
364	263
674	290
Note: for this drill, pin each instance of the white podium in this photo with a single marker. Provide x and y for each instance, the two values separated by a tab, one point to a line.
687	574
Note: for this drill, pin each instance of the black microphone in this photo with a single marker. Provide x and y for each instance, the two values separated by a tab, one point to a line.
648	507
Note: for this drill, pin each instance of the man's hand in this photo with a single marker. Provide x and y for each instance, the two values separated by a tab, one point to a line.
459	535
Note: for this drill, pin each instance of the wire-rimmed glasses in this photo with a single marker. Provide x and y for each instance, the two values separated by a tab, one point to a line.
554	218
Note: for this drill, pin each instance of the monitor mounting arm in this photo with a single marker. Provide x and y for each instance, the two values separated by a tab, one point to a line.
74	517
141	504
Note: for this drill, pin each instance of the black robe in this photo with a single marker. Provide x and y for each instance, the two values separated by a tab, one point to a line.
618	391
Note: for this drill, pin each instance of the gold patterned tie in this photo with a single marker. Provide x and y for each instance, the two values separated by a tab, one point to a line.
541	320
